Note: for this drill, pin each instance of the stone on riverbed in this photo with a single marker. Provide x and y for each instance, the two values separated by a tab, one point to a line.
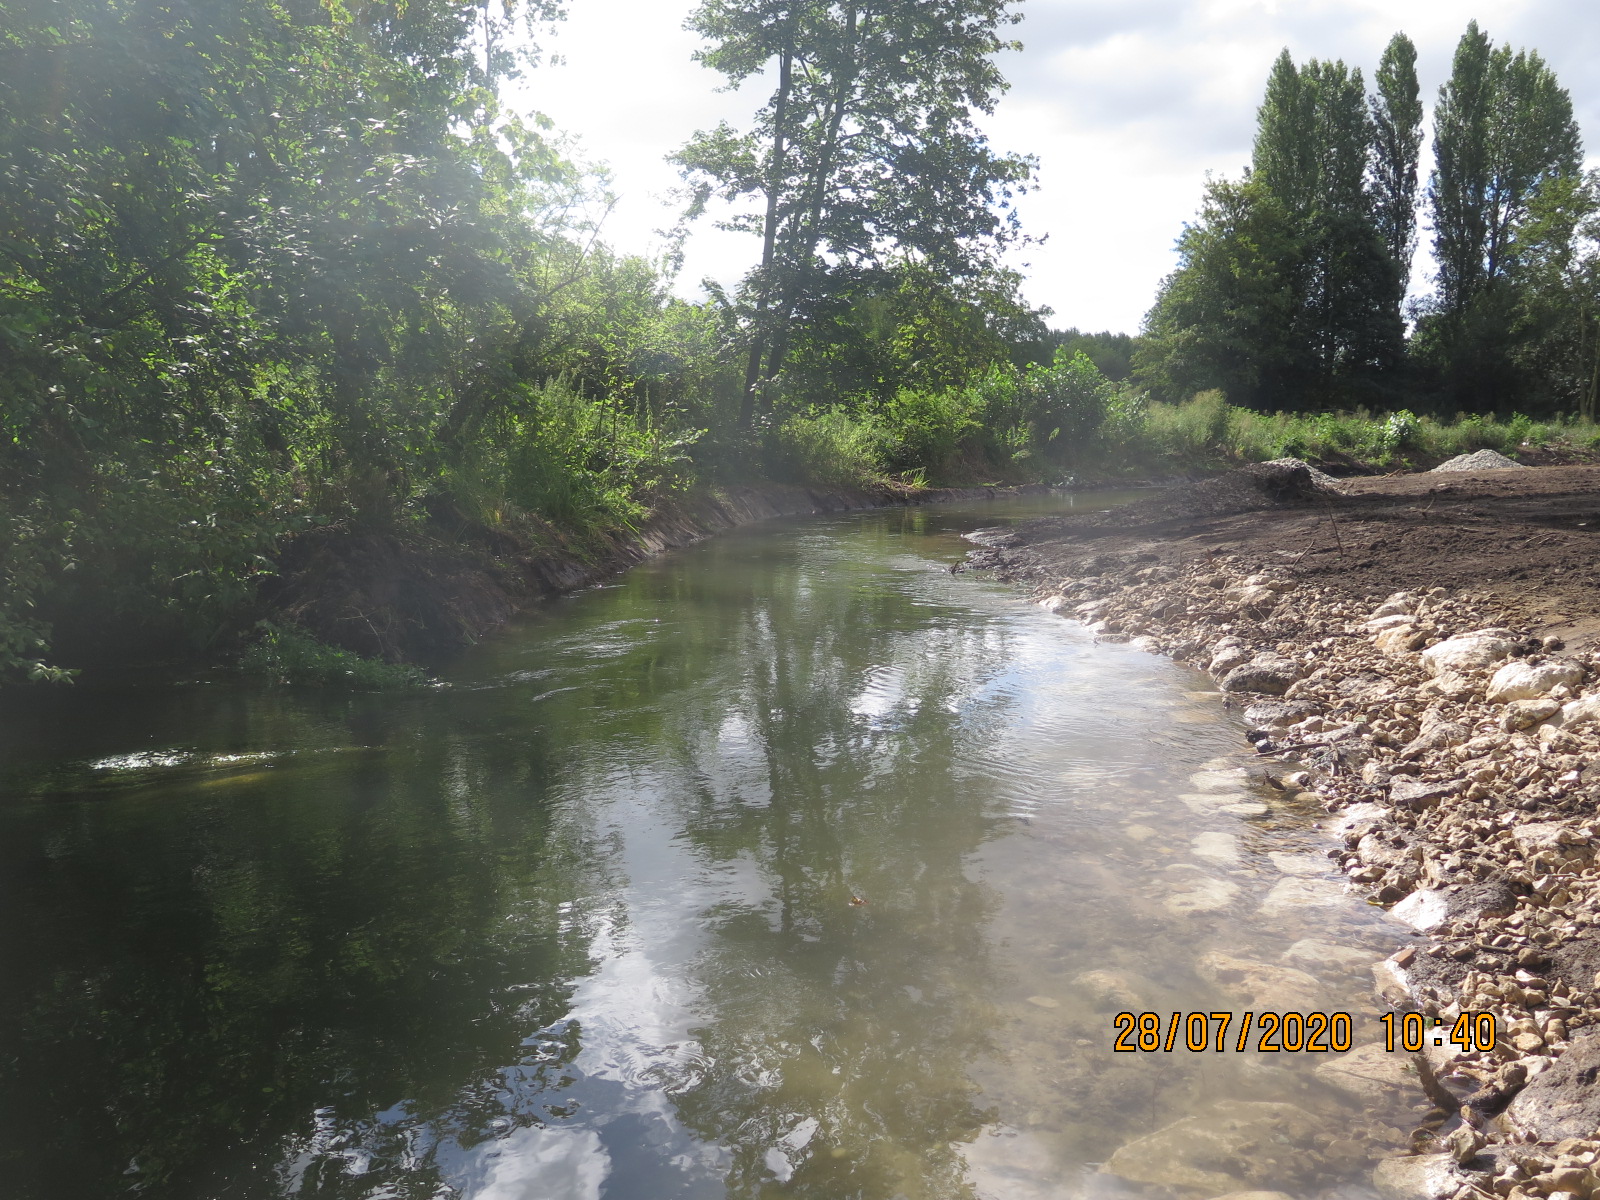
1296	892
1406	791
1232	803
1299	864
1369	1073
1469	651
1202	894
1419	1177
1524	681
1564	1101
1260	985
1221	848
1309	950
1269	674
1212	1151
1525	714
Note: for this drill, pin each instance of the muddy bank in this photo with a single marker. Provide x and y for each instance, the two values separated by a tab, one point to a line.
1419	653
424	595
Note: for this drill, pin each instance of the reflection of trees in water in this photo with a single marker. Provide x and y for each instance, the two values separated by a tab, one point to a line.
841	1034
237	967
336	965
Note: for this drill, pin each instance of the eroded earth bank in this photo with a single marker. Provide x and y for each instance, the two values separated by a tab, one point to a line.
1422	654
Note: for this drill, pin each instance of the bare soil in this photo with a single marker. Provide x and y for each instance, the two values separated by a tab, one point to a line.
1526	540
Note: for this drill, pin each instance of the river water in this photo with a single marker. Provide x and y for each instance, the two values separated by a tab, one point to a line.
789	864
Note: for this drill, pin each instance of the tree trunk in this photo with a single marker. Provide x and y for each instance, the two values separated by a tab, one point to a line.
769	240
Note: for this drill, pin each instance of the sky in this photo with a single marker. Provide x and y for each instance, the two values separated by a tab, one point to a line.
1127	104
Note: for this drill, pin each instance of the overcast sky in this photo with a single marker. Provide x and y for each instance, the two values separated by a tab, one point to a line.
1126	103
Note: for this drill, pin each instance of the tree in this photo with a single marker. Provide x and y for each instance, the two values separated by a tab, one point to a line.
1503	133
1502	127
1225	318
1397	136
866	151
1312	149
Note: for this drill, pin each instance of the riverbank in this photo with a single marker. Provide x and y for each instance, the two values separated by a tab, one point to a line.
421	595
1422	653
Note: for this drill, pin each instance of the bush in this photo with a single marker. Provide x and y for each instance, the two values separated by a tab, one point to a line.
832	447
288	656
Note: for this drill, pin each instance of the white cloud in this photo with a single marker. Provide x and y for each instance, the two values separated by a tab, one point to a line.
1126	103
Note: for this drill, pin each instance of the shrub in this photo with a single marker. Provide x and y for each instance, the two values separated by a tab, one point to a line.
289	656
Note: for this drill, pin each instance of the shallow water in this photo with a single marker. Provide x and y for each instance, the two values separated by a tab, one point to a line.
789	864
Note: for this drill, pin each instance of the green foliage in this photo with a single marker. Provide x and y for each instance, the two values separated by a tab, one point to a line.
1208	432
867	154
289	656
585	465
834	447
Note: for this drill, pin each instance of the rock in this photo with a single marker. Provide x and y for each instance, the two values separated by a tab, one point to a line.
1469	651
1525	714
1399	604
1478	460
1226	658
1564	840
1401	639
1408	792
1225	779
1376	624
1252	596
1139	833
1054	604
1233	804
1369	1073
1420	1177
1436	735
1277	714
1585	710
1320	954
1220	848
1392	982
1424	909
1523	681
1109	989
1295	892
1299	864
1564	1101
1259	985
1202	894
1149	645
1267	673
1357	818
1209	1151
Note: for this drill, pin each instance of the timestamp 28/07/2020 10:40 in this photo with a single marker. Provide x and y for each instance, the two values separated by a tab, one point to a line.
1275	1032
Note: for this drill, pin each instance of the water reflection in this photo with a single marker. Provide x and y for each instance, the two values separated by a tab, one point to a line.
789	864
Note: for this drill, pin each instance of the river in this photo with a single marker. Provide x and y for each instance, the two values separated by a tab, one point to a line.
788	864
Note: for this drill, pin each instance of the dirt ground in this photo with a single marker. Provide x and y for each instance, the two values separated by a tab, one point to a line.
1526	539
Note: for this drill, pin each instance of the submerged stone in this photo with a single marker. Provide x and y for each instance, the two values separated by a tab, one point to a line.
1211	1151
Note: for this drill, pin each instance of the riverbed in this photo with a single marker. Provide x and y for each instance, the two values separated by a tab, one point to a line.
789	864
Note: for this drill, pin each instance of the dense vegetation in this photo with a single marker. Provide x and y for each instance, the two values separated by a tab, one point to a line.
283	274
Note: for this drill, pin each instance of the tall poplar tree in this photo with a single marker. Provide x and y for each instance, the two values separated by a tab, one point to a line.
865	150
1397	137
1313	144
1503	127
1503	133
